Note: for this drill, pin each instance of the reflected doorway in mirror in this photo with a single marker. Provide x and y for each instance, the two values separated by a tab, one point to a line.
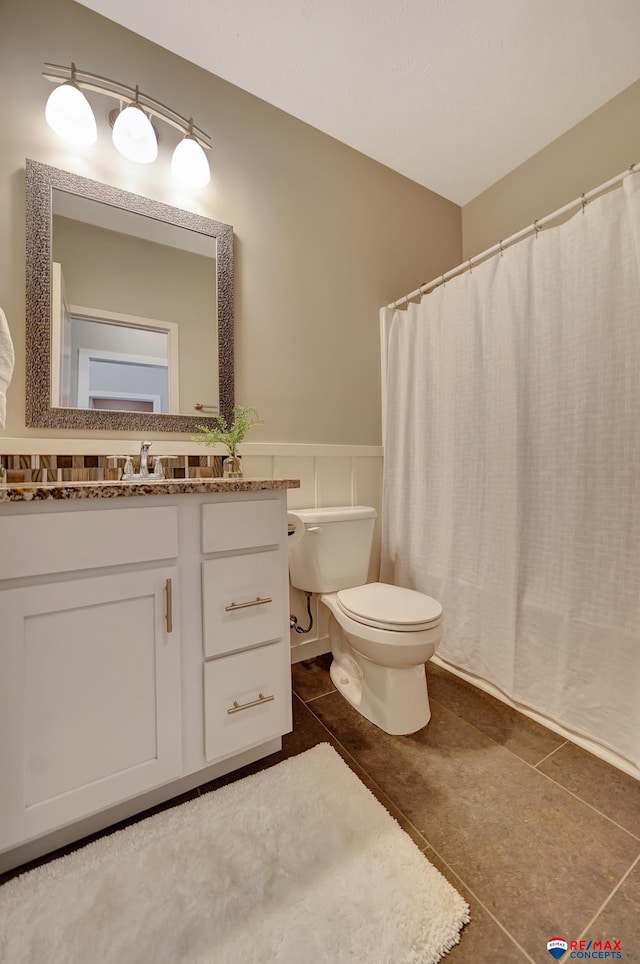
99	357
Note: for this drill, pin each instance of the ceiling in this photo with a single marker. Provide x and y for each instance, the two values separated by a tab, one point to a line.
453	94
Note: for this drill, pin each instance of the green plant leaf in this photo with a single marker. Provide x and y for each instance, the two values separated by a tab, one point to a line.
244	417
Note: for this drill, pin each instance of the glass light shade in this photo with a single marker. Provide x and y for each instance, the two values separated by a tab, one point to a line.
69	114
134	136
189	164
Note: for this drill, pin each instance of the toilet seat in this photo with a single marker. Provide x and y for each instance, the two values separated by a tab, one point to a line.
394	608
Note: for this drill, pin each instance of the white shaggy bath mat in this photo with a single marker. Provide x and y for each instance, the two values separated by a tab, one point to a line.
298	864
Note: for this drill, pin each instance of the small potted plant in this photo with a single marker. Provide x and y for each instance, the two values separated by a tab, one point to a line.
231	435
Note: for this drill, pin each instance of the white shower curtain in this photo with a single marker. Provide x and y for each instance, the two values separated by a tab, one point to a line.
512	468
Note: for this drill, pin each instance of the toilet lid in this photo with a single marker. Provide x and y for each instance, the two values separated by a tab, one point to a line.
390	607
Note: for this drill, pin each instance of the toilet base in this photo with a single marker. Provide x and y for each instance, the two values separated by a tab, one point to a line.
395	699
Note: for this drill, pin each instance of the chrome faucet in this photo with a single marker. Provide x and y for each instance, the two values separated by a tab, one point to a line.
129	474
144	458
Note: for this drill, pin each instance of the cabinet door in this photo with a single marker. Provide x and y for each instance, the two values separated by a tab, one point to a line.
90	702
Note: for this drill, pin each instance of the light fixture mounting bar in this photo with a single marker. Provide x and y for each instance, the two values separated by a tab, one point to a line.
60	74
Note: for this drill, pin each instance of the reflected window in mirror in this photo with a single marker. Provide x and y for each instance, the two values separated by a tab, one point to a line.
136	308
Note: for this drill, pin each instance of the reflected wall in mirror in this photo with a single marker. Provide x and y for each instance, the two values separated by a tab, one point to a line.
129	309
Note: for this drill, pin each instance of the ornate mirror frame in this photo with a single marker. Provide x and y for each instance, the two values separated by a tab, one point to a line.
40	182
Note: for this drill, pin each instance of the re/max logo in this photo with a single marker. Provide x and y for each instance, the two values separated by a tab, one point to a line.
595	945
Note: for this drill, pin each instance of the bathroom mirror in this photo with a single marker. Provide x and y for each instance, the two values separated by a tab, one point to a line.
129	309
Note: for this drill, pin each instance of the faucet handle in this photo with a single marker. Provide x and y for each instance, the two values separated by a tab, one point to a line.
158	465
128	469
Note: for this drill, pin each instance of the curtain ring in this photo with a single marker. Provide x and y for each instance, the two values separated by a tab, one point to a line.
444	283
501	250
535	227
584	203
470	268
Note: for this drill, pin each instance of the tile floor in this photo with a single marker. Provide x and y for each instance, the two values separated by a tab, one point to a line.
540	837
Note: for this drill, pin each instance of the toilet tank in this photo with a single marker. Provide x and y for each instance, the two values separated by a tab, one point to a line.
330	548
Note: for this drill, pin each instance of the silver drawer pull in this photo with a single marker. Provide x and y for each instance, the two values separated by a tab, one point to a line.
258	601
245	706
168	588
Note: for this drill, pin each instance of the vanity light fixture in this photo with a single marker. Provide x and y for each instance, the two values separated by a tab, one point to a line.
133	133
189	163
70	115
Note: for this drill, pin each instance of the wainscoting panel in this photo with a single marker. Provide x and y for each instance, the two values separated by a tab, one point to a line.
258	467
303	468
333	481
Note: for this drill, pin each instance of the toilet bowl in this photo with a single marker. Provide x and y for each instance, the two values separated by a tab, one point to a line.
380	635
378	666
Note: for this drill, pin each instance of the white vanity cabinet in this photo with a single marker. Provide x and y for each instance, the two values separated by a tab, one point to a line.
139	655
246	691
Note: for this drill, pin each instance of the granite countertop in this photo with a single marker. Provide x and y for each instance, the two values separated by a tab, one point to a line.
30	492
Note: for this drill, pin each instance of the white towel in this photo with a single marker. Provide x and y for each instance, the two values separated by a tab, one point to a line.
7	361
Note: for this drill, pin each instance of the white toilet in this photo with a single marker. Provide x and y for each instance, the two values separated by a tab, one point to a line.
381	635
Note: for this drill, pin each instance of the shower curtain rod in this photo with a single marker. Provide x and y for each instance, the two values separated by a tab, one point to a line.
518	236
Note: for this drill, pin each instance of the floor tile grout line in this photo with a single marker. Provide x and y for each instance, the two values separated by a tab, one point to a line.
536	765
483	905
585	930
585	802
495	742
531	766
520	713
318	697
420	834
382	792
542	774
360	767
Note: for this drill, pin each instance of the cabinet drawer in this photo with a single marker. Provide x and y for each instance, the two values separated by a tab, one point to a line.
242	525
247	700
41	543
242	601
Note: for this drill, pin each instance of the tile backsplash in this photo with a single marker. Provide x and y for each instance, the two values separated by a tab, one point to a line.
99	468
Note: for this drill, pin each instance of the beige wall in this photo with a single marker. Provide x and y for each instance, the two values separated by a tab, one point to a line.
604	144
324	235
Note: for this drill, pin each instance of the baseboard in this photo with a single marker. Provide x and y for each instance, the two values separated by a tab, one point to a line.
310	648
603	752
